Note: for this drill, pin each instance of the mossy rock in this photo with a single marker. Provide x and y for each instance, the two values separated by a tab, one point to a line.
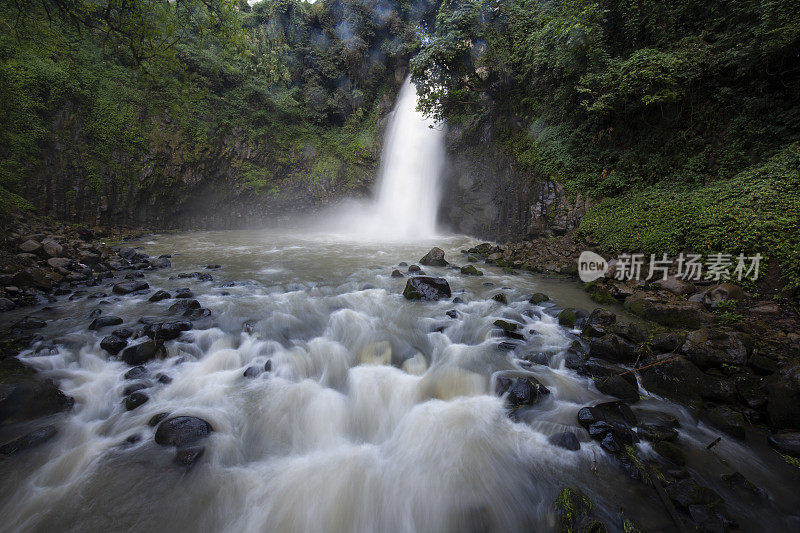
470	270
573	509
568	317
538	298
670	451
599	294
500	297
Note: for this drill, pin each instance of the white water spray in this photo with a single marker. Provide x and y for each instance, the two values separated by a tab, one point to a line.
408	192
408	186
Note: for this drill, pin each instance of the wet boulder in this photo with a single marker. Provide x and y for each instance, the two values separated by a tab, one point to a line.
686	492
679	313
135	400
29	440
435	257
127	287
786	443
727	420
26	397
136	372
160	295
189	456
568	317
397	274
113	344
143	352
598	323
51	248
612	347
670	451
470	270
182	431
618	387
501	298
708	347
675	378
538	298
104	321
783	393
566	440
167	331
181	306
184	292
30	247
426	288
522	390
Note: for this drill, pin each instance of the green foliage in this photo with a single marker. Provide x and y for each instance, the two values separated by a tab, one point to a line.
131	93
757	210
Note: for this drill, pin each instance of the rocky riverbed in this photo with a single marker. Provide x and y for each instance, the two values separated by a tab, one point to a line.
169	348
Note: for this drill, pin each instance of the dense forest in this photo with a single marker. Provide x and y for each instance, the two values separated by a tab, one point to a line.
679	119
155	95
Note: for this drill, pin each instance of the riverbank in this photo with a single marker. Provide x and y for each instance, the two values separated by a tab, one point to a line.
731	353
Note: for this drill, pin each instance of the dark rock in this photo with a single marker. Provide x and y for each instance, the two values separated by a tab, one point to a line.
452	313
127	287
182	431
402	264
687	492
655	433
588	416
458	300
434	258
568	317
182	306
143	352
500	297
161	262
397	274
708	348
122	333
426	288
675	378
196	314
163	379
160	295
566	440
598	323
414	268
783	405
94	313
737	480
670	452
24	397
507	346
727	420
679	314
184	292
618	387
719	389
522	389
29	440
611	444
268	366
251	372
786	443
156	418
6	305
167	331
707	520
189	456
616	412
213	267
29	322
136	372
135	400
470	270
105	321
113	344
133	387
667	342
614	348
538	298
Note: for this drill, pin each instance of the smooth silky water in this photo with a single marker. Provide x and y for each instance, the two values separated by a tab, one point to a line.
378	414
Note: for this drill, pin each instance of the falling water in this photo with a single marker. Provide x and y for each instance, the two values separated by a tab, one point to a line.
408	187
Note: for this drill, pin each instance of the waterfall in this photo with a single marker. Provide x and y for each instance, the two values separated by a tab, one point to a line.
408	191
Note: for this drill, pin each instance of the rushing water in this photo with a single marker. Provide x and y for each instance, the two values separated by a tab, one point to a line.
378	415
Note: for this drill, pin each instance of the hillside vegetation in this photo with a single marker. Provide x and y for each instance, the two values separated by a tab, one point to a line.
680	116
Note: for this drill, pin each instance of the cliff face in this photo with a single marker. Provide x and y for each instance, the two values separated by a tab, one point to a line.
232	182
486	195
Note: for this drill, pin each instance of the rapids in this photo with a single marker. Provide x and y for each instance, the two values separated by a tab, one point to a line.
378	414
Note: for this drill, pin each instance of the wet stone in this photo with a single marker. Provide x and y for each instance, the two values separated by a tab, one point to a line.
136	372
160	295
566	440
105	321
135	400
182	431
163	379
29	440
189	456
127	287
268	366
113	344
522	390
426	288
251	372
156	418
